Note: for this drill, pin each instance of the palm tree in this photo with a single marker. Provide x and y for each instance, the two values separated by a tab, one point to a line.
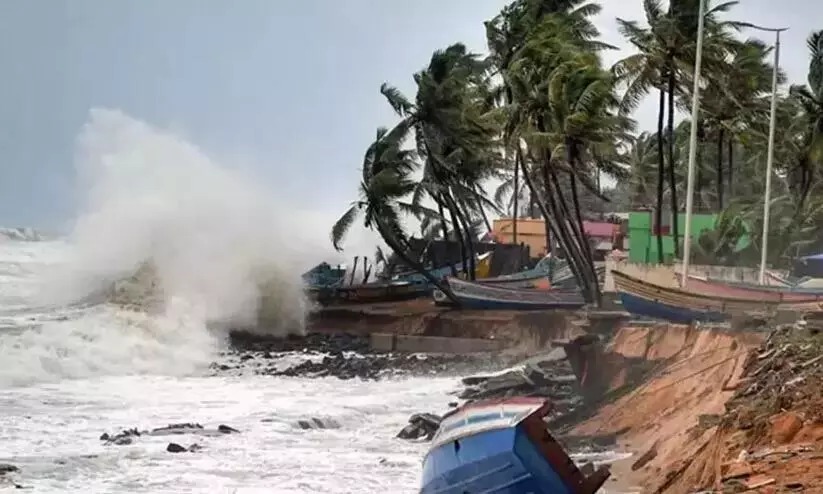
811	99
506	35
385	183
455	129
559	97
666	53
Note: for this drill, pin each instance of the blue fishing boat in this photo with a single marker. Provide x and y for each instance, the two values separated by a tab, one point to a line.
486	297
324	275
502	447
678	305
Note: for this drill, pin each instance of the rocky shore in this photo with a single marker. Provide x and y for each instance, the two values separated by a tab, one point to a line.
349	356
340	355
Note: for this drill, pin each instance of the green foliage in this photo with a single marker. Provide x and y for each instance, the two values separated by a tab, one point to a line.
545	117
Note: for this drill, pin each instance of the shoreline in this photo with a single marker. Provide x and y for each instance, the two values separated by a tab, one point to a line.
661	390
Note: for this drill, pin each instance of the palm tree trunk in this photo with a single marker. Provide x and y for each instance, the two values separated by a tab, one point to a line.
720	135
548	218
730	145
366	270
353	270
698	183
567	238
658	214
395	245
672	175
445	228
458	233
469	240
516	197
478	200
587	250
574	219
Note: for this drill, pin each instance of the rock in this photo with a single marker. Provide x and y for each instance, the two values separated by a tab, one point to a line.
175	448
785	427
421	425
122	438
318	423
8	468
645	458
225	429
185	428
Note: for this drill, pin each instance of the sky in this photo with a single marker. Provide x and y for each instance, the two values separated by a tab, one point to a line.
286	89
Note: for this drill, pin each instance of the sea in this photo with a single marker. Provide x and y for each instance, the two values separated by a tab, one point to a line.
74	364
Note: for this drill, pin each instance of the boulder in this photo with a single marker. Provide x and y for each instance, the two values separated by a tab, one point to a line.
421	425
175	448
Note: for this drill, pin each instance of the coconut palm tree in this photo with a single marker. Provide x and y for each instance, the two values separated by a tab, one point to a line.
506	35
811	99
386	182
455	130
666	48
559	96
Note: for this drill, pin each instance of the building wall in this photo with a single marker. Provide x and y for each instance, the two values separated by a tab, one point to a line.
643	241
530	231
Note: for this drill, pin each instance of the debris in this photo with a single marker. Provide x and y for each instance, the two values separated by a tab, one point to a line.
758	482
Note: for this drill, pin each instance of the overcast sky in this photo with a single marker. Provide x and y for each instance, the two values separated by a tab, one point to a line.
287	87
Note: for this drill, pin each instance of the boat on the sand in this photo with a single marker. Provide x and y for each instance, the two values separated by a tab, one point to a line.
502	447
785	295
479	296
367	293
646	299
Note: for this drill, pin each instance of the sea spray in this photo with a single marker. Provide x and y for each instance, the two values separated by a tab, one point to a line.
219	245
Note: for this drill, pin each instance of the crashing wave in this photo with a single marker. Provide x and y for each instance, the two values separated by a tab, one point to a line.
280	308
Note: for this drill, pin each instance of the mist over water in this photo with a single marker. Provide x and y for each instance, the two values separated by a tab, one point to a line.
218	241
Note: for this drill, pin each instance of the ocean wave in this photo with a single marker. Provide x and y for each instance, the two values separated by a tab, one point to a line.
168	250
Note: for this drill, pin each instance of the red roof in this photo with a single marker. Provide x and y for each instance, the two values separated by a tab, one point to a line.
600	229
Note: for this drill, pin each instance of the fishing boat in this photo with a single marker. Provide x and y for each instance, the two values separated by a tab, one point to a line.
485	297
502	447
367	293
783	295
647	299
324	275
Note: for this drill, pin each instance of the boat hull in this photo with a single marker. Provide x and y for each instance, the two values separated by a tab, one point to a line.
478	296
678	305
368	293
640	306
754	292
502	447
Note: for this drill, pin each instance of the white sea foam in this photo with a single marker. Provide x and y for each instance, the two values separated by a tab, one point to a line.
221	243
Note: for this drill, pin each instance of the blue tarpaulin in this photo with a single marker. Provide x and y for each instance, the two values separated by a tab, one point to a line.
811	266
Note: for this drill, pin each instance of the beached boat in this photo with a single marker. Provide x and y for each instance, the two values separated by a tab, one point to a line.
502	447
783	295
367	293
324	275
485	297
646	299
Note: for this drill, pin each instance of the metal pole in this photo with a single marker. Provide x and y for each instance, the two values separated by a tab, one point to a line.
692	147
770	161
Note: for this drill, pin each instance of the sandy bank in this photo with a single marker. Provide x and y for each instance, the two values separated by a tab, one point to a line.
667	416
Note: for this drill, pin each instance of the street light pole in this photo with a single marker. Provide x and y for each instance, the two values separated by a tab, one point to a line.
770	153
692	146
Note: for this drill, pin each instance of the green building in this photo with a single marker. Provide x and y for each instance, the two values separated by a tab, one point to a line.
643	241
